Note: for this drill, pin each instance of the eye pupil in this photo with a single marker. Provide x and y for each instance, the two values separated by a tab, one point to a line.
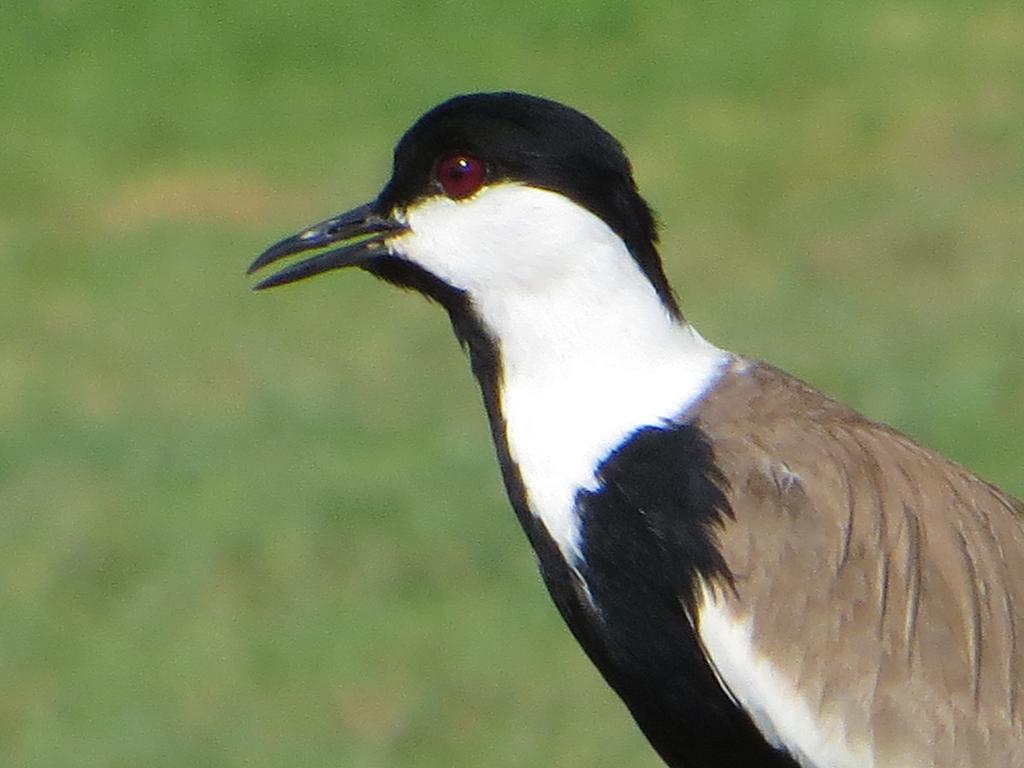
460	175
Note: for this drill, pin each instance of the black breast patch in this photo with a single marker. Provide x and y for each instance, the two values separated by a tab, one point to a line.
647	534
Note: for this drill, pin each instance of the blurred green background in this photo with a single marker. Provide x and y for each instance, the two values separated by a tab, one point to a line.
268	530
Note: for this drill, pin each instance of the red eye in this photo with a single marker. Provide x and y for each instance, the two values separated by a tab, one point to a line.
460	175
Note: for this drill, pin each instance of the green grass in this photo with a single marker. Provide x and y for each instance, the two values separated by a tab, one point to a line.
268	530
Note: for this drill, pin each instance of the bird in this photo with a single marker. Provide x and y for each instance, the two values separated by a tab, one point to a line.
763	575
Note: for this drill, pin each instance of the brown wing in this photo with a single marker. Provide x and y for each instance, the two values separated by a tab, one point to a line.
884	583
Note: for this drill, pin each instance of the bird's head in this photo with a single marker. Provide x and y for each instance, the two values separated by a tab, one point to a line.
495	195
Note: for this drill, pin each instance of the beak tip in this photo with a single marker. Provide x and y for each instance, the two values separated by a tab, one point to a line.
262	285
270	255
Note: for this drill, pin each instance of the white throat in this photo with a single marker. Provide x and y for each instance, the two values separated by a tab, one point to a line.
589	353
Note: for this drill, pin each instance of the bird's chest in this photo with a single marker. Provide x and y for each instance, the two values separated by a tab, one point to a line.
643	537
562	423
609	502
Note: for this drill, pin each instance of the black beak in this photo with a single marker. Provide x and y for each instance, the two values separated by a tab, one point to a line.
364	225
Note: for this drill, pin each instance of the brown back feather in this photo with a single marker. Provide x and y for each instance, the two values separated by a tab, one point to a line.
883	580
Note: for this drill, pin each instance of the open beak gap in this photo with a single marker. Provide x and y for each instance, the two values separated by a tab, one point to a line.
363	231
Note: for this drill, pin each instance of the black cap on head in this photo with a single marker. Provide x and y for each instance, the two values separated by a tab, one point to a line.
538	142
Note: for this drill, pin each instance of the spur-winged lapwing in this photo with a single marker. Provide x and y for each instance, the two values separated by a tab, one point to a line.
766	577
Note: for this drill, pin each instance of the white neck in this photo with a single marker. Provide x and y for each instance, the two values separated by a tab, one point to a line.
589	353
582	372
